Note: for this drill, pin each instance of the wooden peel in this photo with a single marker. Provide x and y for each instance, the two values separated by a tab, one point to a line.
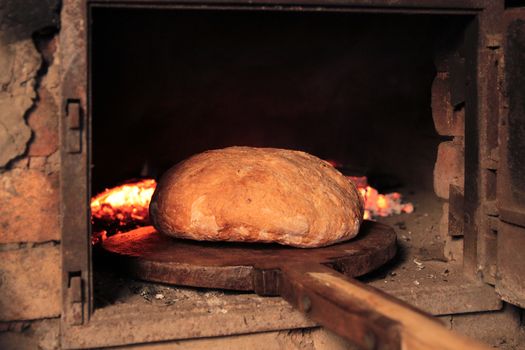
307	278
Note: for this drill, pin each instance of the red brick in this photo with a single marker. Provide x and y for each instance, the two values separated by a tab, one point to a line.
29	209
449	168
448	122
38	163
443	222
30	283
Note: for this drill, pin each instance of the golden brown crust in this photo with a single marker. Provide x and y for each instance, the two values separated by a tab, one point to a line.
247	194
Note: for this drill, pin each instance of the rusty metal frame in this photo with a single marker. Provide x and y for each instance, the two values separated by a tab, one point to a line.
76	127
511	210
484	62
75	172
510	245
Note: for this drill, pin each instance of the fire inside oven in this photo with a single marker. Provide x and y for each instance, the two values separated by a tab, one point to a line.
353	89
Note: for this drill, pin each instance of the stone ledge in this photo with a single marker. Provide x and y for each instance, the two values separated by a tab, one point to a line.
438	288
121	324
138	317
452	298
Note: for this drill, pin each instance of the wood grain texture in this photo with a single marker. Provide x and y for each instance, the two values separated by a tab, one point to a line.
146	254
364	315
306	278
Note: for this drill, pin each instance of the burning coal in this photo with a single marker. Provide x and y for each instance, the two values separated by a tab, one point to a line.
377	204
121	208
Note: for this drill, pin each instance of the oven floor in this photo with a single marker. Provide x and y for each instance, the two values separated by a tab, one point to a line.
419	233
420	261
419	275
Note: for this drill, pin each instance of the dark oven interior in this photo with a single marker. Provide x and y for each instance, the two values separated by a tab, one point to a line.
353	88
348	87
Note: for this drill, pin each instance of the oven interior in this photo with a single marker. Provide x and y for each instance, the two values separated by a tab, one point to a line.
349	87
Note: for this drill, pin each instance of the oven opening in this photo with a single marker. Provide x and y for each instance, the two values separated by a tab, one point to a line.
357	90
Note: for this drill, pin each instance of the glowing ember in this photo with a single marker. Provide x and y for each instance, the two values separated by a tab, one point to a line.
377	204
121	208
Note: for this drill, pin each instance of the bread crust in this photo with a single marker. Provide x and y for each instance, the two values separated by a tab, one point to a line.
247	194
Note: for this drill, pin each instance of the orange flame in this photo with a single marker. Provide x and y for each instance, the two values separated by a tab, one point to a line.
377	204
123	207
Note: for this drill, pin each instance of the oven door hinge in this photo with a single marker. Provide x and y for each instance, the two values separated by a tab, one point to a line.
493	41
75	299
74	126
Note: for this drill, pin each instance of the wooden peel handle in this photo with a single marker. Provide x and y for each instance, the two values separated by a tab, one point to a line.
367	317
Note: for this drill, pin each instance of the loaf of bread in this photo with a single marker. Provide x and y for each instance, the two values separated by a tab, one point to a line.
246	194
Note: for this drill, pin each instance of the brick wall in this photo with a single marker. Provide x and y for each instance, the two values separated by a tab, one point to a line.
29	163
448	113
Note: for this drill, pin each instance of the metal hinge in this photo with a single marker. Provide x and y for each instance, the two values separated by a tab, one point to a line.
493	41
75	297
74	126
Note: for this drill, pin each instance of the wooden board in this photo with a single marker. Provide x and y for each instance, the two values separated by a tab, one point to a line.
307	278
146	254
